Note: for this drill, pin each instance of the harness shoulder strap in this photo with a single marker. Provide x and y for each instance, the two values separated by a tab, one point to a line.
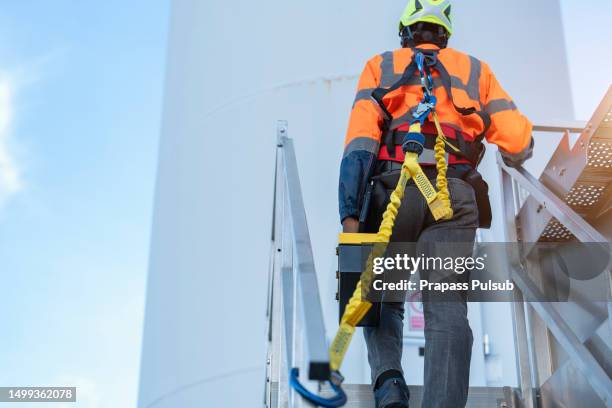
475	155
479	148
446	83
379	93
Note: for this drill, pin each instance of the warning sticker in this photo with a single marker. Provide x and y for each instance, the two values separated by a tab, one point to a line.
416	320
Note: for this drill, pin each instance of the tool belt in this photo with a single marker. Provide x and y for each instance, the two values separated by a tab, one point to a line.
470	151
386	176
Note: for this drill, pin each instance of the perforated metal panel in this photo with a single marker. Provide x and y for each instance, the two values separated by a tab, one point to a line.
555	232
600	154
584	195
590	192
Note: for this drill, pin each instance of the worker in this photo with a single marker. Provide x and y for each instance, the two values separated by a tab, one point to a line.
471	106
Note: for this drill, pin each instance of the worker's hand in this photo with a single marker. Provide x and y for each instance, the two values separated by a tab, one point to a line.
517	159
350	224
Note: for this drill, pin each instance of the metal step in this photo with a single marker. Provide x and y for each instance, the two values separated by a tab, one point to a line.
360	396
580	176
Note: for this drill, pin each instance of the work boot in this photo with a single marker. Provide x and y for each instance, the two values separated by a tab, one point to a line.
393	393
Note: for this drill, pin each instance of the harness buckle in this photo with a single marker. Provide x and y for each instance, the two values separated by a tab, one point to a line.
424	108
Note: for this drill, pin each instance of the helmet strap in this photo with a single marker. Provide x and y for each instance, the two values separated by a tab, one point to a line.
407	38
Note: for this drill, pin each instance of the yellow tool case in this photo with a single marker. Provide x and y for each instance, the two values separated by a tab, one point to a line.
353	250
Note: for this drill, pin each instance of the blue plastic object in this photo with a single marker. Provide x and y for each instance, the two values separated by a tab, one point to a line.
413	142
336	401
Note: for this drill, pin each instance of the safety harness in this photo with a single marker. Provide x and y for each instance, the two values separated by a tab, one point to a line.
413	143
471	151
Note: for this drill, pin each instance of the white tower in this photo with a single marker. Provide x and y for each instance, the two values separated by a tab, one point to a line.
234	68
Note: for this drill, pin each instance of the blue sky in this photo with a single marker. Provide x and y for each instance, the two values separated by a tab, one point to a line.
588	35
80	102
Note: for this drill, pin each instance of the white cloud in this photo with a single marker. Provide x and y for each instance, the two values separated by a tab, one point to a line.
9	173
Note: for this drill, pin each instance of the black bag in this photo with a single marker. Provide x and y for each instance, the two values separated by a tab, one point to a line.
481	190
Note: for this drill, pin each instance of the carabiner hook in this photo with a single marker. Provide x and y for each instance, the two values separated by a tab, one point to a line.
419	58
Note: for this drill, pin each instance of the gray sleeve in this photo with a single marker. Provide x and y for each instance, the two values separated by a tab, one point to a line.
517	159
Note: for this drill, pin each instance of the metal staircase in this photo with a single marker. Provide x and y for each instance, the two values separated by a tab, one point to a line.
563	349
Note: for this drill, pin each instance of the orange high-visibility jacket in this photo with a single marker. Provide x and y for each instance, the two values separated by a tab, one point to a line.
473	85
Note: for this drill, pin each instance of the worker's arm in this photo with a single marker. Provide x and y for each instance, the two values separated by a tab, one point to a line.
510	130
350	224
360	147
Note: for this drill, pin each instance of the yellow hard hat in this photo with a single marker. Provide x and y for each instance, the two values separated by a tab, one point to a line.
428	11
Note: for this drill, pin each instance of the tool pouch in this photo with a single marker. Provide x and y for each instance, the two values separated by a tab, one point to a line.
365	207
481	189
376	200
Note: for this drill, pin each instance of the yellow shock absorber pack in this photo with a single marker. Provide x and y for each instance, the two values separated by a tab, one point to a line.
439	205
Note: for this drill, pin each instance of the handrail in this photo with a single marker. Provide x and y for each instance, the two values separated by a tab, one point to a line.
573	126
303	262
297	317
